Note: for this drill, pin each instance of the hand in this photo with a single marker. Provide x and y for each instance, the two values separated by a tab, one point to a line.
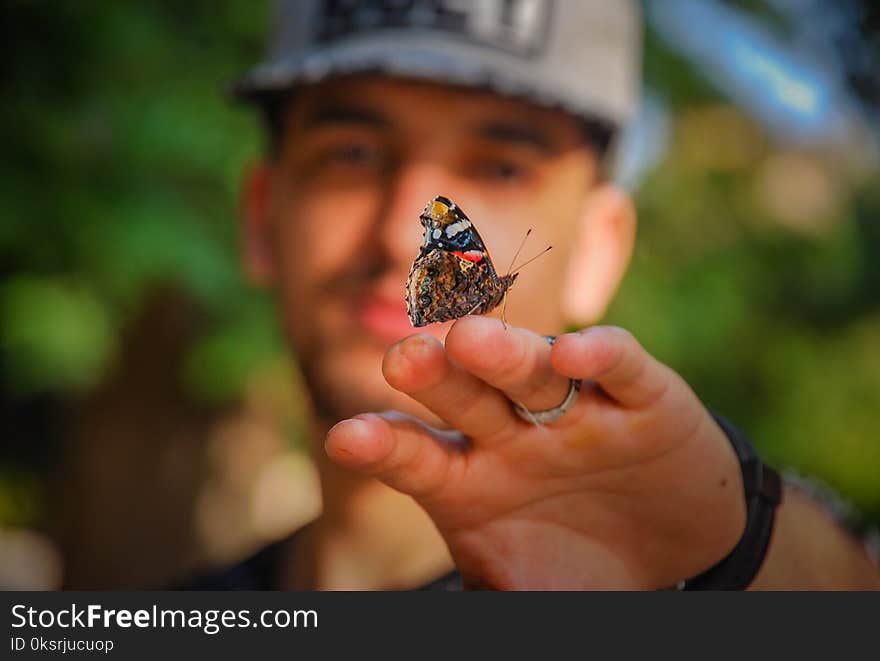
635	487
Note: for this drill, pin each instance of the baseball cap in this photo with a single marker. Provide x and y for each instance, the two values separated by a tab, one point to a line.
582	56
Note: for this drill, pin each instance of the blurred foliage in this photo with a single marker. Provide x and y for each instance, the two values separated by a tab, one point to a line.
120	174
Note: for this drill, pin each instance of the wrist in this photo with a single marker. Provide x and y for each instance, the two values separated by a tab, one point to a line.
762	491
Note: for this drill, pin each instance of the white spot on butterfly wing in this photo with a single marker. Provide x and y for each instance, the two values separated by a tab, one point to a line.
455	228
436	234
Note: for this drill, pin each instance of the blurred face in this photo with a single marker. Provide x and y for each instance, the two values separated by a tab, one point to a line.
360	159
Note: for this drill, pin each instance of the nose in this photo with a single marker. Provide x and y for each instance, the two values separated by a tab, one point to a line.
413	184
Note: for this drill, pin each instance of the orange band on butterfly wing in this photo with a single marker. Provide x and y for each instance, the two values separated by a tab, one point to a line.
474	256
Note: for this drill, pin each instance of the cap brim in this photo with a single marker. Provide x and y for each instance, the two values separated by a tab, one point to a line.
432	60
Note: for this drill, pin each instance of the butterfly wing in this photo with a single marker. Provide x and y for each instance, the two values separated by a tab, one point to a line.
453	276
448	228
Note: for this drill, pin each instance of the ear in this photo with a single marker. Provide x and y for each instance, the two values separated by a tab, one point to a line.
601	255
256	226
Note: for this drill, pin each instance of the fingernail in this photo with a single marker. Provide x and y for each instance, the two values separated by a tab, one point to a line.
355	425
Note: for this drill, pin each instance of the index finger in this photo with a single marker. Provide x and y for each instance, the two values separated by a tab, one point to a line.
615	360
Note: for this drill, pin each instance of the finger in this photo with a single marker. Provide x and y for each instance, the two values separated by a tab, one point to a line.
514	360
399	450
616	361
420	367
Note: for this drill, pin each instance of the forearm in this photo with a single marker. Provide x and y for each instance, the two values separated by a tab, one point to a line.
809	550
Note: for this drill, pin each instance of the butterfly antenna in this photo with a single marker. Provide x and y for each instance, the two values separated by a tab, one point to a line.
518	251
504	300
512	270
519	268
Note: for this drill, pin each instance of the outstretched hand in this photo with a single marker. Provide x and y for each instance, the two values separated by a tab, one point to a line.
635	486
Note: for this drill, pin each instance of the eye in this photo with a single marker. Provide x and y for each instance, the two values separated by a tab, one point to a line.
501	171
352	153
341	156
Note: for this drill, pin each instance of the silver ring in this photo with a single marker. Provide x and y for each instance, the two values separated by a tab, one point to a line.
540	418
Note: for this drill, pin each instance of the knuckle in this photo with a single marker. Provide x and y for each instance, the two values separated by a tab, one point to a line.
655	394
467	402
608	357
521	365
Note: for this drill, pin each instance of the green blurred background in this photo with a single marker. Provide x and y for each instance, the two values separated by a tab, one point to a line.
152	421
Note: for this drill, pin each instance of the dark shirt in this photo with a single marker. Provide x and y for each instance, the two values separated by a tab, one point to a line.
262	571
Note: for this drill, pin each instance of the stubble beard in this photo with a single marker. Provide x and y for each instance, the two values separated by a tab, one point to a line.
341	388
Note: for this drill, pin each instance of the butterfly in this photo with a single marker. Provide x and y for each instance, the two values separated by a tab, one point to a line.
453	274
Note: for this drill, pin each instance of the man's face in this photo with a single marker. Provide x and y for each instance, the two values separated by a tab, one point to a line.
359	160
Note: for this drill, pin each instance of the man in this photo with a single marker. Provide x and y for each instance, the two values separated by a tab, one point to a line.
428	471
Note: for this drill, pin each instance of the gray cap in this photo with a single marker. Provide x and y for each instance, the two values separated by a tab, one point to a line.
583	56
